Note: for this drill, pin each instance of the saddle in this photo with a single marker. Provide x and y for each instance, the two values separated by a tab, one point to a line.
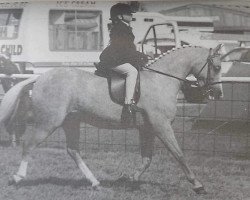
116	84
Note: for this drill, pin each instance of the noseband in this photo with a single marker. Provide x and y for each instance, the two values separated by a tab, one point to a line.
210	65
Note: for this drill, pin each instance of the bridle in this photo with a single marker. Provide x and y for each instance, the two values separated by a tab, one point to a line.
206	87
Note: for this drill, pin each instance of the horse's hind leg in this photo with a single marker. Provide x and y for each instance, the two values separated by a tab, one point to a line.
16	126
23	116
71	127
166	134
12	135
16	129
32	139
147	139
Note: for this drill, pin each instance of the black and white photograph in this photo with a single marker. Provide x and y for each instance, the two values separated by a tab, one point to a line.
125	100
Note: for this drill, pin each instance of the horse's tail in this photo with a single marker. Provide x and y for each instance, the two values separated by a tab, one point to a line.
10	101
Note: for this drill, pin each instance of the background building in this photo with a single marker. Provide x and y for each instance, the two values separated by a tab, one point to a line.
234	15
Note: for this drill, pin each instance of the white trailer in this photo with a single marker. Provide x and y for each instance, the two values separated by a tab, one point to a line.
68	33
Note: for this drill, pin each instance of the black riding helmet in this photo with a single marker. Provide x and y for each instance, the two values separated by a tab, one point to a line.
120	9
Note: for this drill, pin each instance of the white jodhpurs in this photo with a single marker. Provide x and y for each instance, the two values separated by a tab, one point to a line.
130	73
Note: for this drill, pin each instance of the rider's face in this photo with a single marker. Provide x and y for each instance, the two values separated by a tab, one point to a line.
127	17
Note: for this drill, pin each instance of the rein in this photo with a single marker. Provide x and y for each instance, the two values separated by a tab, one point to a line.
178	78
166	74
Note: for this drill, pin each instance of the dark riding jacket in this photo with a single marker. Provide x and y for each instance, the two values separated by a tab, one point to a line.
121	48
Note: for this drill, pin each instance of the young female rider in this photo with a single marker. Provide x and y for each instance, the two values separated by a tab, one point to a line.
121	55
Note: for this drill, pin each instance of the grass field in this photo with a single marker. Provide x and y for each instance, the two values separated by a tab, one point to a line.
52	175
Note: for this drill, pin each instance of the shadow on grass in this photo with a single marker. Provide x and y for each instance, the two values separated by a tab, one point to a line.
119	183
131	186
5	144
55	181
127	184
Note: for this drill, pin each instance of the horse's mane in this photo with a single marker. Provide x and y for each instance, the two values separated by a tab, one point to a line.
170	53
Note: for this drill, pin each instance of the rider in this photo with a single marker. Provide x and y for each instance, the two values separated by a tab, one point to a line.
121	55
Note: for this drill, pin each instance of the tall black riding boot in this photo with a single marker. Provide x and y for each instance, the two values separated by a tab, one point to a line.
127	117
134	107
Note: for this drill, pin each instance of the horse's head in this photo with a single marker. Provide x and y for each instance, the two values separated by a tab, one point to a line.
209	75
6	65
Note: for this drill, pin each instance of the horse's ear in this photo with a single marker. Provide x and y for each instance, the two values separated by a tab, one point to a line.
216	49
210	51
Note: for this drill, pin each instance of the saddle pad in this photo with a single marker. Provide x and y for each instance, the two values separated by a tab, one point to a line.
116	85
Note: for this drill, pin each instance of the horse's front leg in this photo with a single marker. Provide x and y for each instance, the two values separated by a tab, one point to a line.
165	133
147	139
71	126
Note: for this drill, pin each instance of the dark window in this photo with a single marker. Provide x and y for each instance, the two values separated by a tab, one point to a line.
148	19
73	30
9	23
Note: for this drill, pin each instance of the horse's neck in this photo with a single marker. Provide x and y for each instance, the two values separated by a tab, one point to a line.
177	63
180	63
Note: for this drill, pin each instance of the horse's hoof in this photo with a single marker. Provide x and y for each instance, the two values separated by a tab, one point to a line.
122	178
97	183
96	186
13	145
11	182
15	181
135	177
200	190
